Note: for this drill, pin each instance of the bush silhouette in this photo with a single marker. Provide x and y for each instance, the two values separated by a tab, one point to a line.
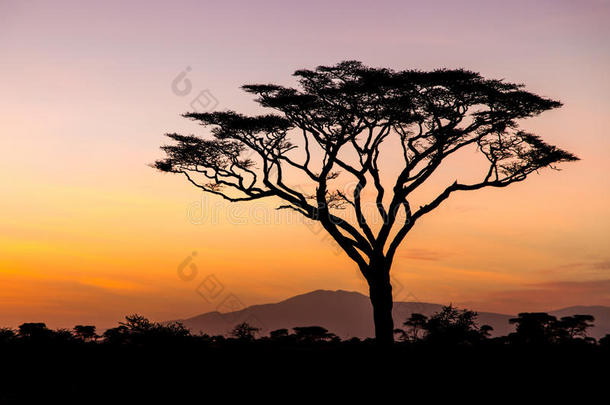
35	331
313	334
244	331
278	334
447	326
7	335
85	332
139	330
416	326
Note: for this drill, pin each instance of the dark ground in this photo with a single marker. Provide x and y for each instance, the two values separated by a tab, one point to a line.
101	373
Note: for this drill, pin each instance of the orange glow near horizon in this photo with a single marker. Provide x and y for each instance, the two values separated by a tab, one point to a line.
90	233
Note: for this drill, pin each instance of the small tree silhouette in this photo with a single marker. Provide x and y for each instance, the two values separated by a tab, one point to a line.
454	326
485	331
534	328
139	330
278	333
34	331
313	334
7	335
576	326
85	332
244	331
415	324
117	335
137	323
344	124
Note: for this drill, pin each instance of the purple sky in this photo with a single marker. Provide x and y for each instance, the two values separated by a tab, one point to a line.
86	97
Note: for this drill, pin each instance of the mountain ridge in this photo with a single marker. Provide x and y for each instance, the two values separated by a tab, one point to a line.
349	314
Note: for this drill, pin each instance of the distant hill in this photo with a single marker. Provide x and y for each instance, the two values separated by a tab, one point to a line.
349	314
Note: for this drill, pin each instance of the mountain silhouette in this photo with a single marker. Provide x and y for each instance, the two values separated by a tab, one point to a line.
345	313
349	314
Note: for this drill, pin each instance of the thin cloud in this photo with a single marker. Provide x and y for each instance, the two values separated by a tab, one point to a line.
424	254
548	296
584	266
603	265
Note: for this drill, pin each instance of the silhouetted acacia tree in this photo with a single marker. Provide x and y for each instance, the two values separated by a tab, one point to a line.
542	328
575	327
345	123
534	328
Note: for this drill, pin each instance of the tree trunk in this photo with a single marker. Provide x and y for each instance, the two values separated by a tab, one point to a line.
380	292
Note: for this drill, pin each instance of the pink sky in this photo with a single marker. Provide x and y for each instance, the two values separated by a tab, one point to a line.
89	233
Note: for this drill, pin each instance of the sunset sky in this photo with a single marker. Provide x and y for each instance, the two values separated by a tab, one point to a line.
89	232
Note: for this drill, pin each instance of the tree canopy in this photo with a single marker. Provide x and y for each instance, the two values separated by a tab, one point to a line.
351	106
336	122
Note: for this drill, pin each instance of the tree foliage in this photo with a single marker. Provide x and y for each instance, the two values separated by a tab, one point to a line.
244	331
343	123
85	332
352	108
541	328
450	325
